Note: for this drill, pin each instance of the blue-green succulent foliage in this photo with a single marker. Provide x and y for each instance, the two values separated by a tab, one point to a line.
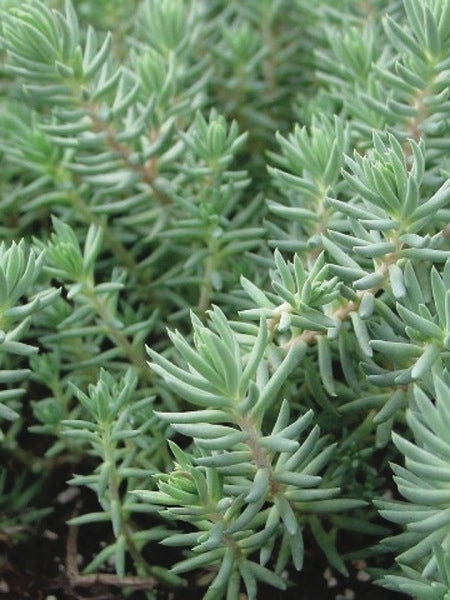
254	197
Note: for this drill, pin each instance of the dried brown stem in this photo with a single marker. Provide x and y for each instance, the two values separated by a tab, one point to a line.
342	313
78	580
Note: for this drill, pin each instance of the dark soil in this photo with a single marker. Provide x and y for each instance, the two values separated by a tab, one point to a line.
33	558
34	569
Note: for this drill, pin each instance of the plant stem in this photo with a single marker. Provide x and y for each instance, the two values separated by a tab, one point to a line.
343	313
206	286
117	336
114	243
142	567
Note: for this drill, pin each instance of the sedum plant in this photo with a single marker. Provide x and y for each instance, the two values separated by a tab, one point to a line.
224	285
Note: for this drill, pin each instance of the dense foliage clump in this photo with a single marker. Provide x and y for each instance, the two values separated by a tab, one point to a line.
254	197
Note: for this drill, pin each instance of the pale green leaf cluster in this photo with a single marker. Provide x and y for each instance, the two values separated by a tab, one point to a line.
255	195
